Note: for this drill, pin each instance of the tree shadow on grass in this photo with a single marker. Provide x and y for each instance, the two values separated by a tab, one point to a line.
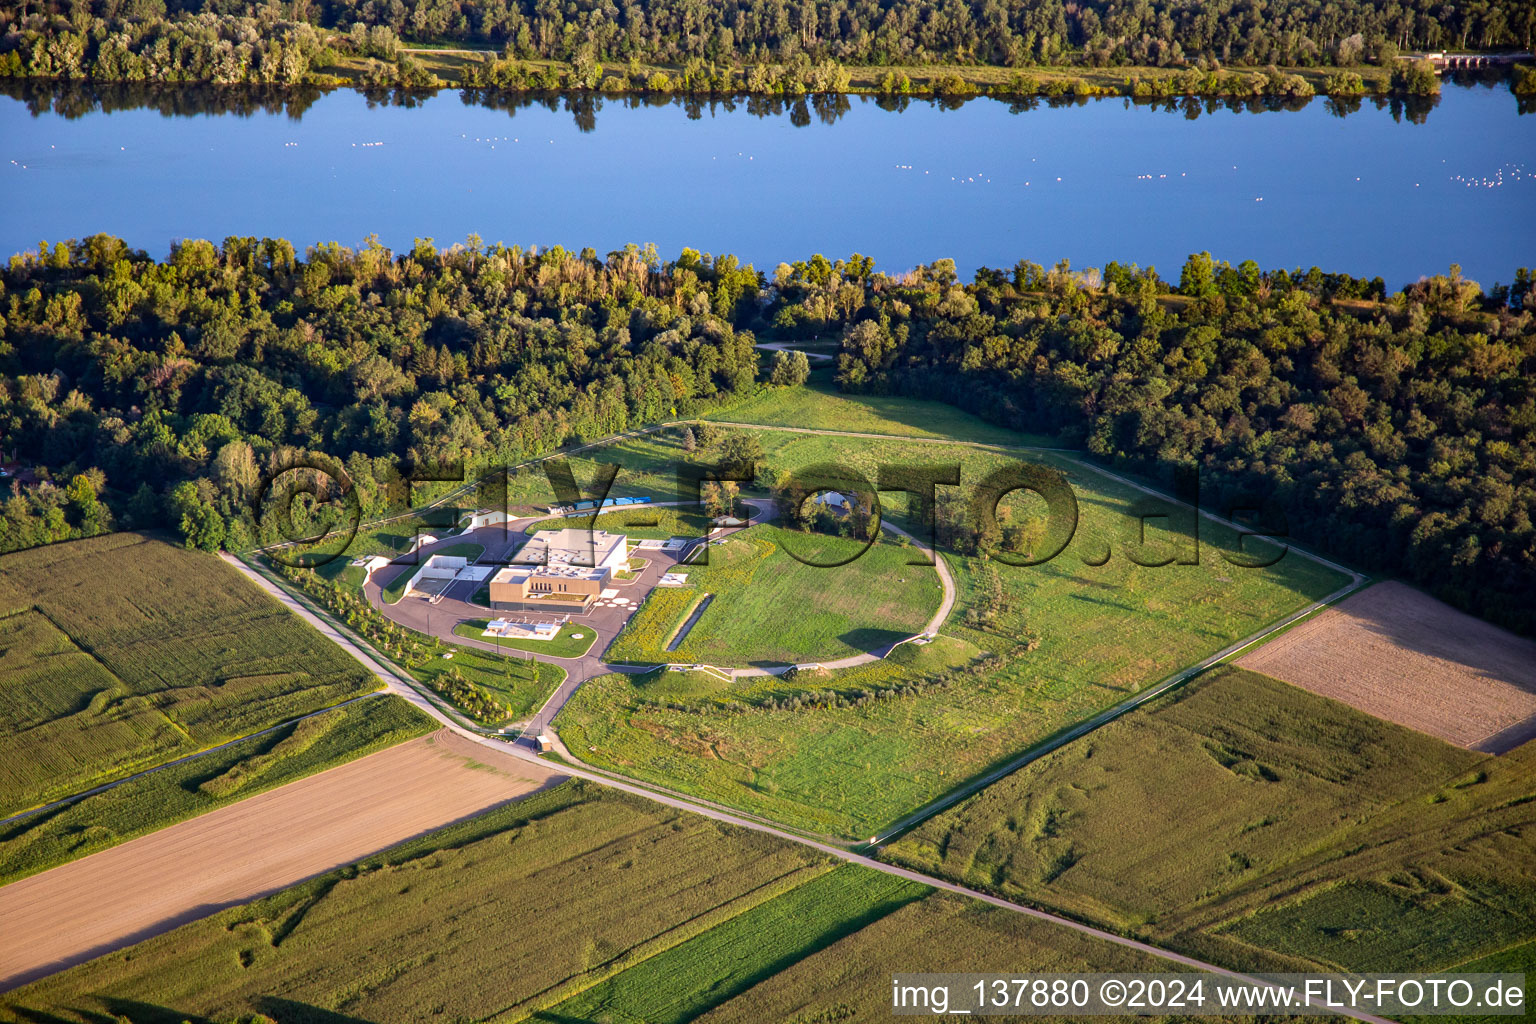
872	639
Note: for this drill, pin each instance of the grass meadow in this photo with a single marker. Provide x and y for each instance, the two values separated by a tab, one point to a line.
1071	637
819	405
184	790
771	608
572	641
1258	825
522	683
675	986
122	652
850	980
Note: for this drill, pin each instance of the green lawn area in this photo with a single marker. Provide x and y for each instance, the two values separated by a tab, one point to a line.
523	683
770	608
185	790
1243	817
819	405
122	652
571	642
677	985
396	587
850	980
1072	638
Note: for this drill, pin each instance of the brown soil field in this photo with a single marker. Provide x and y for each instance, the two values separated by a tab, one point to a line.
1403	656
111	899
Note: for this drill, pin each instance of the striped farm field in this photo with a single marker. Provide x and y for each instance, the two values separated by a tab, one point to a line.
121	652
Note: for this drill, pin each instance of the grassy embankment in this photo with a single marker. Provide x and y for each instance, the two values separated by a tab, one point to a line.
123	652
184	790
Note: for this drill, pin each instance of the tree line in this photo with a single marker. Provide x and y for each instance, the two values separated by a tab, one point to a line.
1393	429
145	393
755	45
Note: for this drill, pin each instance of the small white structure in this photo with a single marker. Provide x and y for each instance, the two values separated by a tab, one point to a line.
672	579
484	517
833	500
544	742
514	629
370	564
435	574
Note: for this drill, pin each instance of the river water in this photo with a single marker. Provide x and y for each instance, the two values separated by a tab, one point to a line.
1381	190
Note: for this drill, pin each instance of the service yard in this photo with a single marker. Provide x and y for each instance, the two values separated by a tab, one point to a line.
257	846
1399	654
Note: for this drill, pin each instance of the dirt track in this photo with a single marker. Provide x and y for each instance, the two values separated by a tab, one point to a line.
1401	655
108	900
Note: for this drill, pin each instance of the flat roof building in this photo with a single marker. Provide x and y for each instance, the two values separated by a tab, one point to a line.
562	571
587	548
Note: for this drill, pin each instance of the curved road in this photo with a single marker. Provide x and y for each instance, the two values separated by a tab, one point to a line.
501	542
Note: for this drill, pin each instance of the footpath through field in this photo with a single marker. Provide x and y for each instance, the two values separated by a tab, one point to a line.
260	845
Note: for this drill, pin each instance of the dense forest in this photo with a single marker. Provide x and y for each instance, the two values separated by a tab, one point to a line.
753	44
1395	430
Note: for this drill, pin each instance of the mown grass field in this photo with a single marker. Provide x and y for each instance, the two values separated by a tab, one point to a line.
122	652
771	608
677	985
523	683
1072	637
571	642
185	790
850	980
511	912
819	405
1258	825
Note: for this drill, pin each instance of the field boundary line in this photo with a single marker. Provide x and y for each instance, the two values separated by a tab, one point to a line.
1109	714
62	801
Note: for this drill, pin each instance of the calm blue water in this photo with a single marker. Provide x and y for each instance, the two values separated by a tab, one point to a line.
1365	194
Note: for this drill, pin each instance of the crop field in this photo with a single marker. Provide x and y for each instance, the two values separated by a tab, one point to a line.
850	980
1303	832
507	913
1069	638
187	789
771	608
122	652
229	856
677	985
1399	654
572	641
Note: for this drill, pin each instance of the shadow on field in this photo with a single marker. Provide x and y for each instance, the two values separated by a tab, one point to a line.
868	638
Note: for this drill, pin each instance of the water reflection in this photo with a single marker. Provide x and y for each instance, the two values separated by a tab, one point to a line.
77	99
